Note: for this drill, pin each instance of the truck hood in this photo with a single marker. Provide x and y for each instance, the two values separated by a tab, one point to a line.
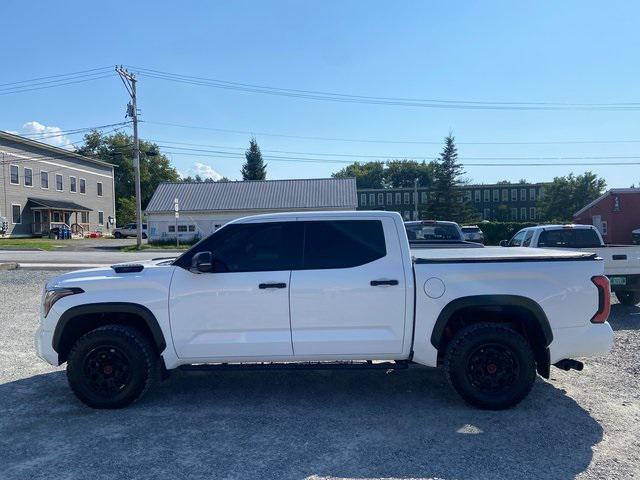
115	276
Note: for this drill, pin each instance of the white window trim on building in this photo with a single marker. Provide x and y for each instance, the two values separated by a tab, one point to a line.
532	194
11	175
532	213
73	188
523	213
389	198
514	195
99	189
80	182
25	177
41	172
476	196
487	195
19	214
100	218
61	189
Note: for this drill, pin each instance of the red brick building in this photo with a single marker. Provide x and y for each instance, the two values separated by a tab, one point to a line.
616	214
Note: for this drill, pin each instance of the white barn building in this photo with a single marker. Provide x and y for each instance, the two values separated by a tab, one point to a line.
205	207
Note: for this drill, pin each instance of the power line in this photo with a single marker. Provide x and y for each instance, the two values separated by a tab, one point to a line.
40	135
73	82
399	142
57	76
391	101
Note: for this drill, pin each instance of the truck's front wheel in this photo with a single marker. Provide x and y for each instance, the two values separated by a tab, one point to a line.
628	298
490	365
111	366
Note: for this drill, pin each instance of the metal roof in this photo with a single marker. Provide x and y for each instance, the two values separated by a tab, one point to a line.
38	203
315	193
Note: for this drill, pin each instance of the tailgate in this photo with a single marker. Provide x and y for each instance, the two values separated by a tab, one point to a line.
622	260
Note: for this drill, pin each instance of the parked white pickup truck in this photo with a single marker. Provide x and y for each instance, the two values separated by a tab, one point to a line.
621	262
327	290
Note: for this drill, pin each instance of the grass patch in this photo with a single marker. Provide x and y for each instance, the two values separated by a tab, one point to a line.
41	243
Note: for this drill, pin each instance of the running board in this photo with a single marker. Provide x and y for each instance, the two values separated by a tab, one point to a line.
364	365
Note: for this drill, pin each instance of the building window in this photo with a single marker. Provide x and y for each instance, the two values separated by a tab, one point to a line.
56	216
381	199
487	212
487	196
15	175
424	197
505	195
532	213
398	198
523	194
59	186
514	195
172	229
467	195
476	196
99	189
532	194
372	199
84	217
407	215
523	213
73	184
192	228
100	218
604	228
44	179
28	177
389	198
83	185
182	228
363	199
496	195
16	216
407	198
514	213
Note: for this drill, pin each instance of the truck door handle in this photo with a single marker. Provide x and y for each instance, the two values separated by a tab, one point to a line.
377	283
262	286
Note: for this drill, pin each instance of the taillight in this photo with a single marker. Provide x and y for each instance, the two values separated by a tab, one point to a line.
604	299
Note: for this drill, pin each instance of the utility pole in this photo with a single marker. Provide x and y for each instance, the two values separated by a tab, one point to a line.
129	81
415	199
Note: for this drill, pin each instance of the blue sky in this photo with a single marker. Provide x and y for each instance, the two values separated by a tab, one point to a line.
572	51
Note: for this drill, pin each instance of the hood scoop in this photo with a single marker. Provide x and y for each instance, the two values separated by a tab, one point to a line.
128	268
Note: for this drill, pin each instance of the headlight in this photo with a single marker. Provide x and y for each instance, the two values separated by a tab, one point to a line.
54	294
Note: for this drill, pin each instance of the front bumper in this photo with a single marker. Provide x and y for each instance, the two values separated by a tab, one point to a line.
44	346
588	341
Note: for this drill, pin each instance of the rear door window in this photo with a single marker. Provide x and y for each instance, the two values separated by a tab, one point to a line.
516	241
342	243
527	239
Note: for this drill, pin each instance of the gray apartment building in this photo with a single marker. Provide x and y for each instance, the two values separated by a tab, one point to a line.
44	188
498	201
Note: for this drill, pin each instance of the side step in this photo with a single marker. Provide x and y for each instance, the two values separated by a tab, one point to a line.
356	365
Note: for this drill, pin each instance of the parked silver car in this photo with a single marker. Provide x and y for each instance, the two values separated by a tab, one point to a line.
472	233
129	230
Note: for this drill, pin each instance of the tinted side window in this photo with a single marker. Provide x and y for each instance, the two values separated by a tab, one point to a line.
252	247
516	241
343	243
527	239
569	238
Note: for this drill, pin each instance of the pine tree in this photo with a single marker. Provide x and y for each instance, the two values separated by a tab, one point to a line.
448	199
254	168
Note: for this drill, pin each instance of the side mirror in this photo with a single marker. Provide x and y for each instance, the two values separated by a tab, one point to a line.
504	243
202	262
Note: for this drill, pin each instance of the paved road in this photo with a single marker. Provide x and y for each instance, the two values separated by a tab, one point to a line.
106	257
295	425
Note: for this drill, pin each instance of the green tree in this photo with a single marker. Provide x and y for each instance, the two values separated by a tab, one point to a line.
566	195
367	175
254	168
448	203
402	173
117	148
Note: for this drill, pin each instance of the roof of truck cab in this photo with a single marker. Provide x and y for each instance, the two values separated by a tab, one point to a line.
496	254
302	215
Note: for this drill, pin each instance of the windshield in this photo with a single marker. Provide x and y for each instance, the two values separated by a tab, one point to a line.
437	231
569	238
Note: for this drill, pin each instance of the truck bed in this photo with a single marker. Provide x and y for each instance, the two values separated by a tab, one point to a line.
496	254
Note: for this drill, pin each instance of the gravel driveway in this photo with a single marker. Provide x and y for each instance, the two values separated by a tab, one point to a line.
363	424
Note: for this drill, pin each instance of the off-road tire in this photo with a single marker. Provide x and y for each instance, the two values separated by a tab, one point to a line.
134	372
486	342
628	298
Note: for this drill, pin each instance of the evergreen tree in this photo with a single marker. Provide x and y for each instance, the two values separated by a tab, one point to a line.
448	198
254	168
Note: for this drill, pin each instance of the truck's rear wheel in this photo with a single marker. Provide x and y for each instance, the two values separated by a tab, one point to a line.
490	365
628	298
111	366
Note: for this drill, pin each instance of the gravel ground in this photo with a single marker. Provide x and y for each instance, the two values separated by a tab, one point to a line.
367	424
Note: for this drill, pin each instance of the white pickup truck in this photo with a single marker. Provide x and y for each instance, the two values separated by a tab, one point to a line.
327	290
621	262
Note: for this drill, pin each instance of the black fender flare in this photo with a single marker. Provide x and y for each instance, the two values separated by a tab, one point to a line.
111	307
489	301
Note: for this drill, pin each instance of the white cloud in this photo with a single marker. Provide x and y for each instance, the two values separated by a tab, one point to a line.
202	169
52	135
